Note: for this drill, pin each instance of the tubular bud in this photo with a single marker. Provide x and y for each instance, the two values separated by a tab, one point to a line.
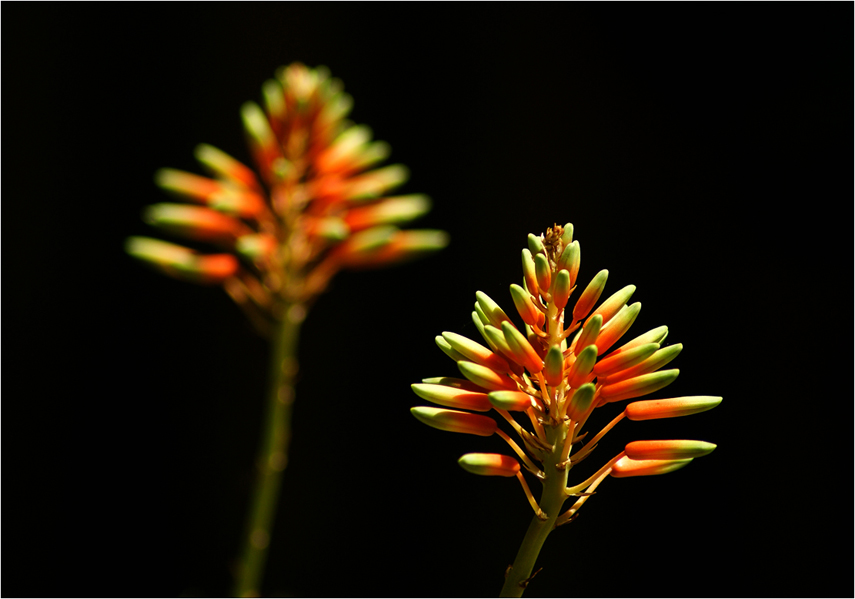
570	261
223	165
561	292
626	467
483	376
521	349
656	335
447	349
589	334
621	360
590	296
529	272
454	421
522	301
567	235
256	246
581	401
186	184
535	244
613	305
543	273
389	211
476	352
513	401
450	381
194	222
374	183
675	407
491	309
659	359
489	464
452	397
617	326
637	386
672	449
553	366
582	367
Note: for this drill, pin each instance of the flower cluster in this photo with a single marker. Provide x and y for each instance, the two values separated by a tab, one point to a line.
554	372
316	208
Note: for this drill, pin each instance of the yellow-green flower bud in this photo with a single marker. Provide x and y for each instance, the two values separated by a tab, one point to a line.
626	467
590	296
672	449
638	386
581	401
561	291
526	308
521	349
617	327
483	376
454	421
452	397
489	464
553	366
582	367
674	407
513	401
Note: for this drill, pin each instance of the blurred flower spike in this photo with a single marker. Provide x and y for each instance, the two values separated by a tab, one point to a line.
545	379
316	203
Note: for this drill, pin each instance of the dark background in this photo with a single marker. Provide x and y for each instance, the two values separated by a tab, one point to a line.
704	153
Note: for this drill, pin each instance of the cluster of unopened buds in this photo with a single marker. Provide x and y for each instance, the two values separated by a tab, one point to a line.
554	372
317	208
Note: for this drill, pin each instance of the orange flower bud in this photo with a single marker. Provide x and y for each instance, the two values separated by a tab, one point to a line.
452	397
617	326
626	467
514	401
612	306
638	386
553	366
675	407
590	296
454	421
526	308
483	376
529	273
522	350
489	464
672	449
476	352
582	367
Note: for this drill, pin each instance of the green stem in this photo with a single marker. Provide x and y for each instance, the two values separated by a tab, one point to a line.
273	453
551	501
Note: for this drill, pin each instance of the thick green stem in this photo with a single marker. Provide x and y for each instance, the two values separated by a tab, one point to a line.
273	453
551	501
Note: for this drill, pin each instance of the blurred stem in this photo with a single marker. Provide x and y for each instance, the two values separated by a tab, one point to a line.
273	453
551	501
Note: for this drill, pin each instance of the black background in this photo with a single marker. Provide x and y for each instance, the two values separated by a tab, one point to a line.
704	153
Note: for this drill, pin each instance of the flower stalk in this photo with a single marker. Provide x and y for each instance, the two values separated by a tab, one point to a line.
555	371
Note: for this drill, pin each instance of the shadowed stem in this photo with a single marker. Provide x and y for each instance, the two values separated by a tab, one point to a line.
551	501
273	453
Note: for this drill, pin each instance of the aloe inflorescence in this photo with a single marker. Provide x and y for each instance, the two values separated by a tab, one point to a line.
546	378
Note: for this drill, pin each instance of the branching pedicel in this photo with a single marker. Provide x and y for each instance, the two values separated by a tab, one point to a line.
316	210
556	384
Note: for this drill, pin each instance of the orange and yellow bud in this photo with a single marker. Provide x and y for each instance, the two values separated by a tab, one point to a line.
489	464
582	367
581	401
609	308
483	376
513	401
638	386
542	272
589	334
454	421
388	211
617	327
521	349
195	222
452	397
529	272
620	360
525	307
553	366
561	290
660	358
182	263
570	261
672	449
589	297
626	467
475	352
675	407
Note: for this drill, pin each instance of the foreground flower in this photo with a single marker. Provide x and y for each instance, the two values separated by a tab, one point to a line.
314	205
552	374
